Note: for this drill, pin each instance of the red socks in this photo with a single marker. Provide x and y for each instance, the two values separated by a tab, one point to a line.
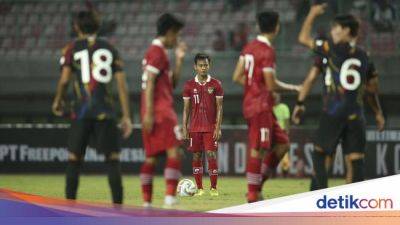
213	171
253	178
172	173
146	178
197	166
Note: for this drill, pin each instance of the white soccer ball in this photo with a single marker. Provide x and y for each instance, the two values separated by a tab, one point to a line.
186	188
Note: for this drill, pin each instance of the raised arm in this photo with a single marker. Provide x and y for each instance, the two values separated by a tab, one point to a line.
126	123
62	85
305	32
180	52
238	75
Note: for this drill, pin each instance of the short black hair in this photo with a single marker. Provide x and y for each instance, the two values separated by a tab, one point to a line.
87	21
201	56
348	21
267	21
167	22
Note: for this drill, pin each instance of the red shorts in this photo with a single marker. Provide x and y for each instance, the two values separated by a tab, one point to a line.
165	134
264	131
201	141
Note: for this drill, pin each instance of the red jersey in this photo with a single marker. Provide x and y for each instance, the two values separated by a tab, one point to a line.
259	56
156	62
203	103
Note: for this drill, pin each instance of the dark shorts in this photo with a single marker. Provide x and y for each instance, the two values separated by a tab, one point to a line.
333	130
105	136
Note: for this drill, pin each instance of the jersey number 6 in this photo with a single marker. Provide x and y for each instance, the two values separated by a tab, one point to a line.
346	71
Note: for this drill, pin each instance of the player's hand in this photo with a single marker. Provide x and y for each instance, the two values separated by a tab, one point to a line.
319	9
148	122
185	133
57	108
297	88
180	50
297	112
126	126
217	134
380	121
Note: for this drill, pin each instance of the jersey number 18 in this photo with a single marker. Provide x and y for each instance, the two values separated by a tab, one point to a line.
101	69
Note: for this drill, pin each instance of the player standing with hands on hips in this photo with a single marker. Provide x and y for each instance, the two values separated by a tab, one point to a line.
203	98
160	130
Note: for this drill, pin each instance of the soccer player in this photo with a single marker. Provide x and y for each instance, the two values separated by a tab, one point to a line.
372	92
160	130
202	98
256	71
92	65
346	68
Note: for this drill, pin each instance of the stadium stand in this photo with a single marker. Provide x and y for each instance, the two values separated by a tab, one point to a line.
33	32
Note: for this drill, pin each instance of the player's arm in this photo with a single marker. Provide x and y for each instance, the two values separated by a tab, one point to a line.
62	85
148	119
238	75
126	123
273	84
217	131
305	37
180	52
305	90
185	119
373	101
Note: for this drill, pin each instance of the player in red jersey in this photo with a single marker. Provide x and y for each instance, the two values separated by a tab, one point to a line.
256	71
203	97
160	129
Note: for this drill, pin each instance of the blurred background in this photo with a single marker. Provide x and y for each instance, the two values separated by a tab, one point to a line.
32	33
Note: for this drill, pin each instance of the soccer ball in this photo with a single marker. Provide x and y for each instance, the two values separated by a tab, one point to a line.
186	188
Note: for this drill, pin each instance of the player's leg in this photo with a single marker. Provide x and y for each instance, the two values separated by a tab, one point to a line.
197	162
211	148
77	142
258	135
108	135
328	166
146	179
329	132
353	145
280	140
172	174
147	169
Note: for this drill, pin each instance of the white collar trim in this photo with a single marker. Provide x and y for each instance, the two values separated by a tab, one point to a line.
197	79
157	42
264	40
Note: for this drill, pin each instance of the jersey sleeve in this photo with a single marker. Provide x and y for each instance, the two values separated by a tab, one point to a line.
321	46
186	91
66	56
118	63
268	63
219	92
154	61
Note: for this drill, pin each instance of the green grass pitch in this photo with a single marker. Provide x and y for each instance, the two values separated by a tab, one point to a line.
95	188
